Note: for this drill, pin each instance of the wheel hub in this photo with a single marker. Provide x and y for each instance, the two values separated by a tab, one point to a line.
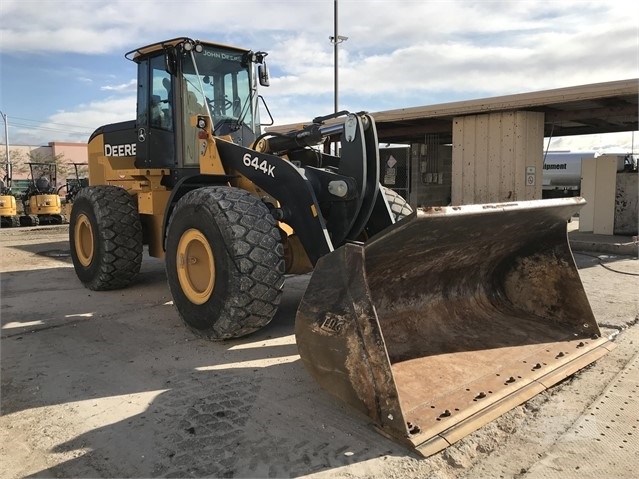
195	266
83	234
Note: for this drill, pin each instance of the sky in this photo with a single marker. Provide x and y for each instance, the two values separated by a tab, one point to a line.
63	71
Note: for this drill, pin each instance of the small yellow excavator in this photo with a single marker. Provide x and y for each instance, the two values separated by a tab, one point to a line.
8	207
433	322
41	202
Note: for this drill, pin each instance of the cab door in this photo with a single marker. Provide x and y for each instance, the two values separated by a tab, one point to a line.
156	115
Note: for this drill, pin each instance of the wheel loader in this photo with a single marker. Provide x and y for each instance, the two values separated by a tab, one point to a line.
41	202
432	322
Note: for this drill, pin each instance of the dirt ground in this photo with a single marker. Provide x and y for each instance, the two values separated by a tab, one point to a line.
112	384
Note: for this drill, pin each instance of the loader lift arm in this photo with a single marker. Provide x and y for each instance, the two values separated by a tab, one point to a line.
325	205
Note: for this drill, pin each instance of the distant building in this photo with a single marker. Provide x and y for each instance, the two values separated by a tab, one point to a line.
64	153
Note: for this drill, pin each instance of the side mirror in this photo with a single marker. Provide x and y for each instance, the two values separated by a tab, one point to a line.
262	73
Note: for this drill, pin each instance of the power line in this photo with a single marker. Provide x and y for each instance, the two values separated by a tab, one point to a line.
48	122
46	128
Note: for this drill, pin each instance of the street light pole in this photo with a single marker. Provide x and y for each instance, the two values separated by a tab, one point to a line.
336	40
6	139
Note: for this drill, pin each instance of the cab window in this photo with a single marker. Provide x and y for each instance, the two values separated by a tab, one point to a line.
161	111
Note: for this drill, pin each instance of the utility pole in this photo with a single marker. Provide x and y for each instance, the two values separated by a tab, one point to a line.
336	39
6	140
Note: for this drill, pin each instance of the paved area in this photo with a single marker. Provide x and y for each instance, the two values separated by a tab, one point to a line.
113	385
604	439
607	244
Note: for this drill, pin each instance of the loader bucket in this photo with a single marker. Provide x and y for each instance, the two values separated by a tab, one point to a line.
449	318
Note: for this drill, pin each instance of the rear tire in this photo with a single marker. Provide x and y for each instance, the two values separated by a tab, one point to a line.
105	235
224	262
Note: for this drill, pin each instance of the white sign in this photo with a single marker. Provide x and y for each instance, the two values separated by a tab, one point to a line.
530	176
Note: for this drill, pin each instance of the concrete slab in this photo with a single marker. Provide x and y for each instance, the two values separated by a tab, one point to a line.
604	442
627	245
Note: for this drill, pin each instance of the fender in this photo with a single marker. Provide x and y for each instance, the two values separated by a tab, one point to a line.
182	187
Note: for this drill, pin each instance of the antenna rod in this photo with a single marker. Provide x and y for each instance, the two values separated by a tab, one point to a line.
335	43
336	39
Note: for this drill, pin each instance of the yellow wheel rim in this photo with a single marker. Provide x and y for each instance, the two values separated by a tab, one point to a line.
83	234
195	266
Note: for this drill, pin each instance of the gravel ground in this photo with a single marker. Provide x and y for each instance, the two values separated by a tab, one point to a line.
112	384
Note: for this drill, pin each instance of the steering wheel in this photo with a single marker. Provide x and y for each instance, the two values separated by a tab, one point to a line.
218	103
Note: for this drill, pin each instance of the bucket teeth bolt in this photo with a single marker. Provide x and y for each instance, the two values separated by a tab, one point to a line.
446	413
560	355
537	366
481	395
581	344
511	380
413	428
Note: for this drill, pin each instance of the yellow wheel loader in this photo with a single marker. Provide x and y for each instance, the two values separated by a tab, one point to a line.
41	202
8	208
433	322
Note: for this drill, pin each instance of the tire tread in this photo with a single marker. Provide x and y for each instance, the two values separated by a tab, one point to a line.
254	245
119	233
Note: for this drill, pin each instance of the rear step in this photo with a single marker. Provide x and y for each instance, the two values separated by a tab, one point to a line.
450	318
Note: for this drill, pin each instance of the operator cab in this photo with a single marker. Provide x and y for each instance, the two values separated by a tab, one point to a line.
181	79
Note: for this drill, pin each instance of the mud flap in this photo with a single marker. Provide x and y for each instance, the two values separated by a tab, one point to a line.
449	318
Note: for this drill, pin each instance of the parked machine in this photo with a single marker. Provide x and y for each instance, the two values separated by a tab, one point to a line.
8	207
41	202
73	186
433	322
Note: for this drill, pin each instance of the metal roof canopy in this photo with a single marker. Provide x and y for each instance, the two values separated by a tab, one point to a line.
580	110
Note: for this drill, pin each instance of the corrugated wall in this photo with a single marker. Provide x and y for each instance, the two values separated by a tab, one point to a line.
497	157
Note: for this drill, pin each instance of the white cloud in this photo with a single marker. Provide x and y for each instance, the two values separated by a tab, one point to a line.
110	111
601	143
124	87
78	124
399	53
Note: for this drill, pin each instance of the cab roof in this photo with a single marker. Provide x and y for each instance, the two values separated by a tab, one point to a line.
133	55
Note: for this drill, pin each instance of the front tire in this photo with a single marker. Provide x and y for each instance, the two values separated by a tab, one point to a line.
105	235
224	262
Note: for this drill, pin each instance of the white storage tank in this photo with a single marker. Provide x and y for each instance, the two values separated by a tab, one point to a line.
562	171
